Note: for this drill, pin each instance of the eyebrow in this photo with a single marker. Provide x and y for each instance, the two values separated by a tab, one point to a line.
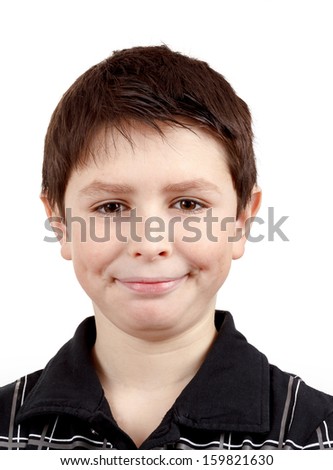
97	187
199	183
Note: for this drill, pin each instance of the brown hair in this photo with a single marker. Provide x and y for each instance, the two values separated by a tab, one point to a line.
148	84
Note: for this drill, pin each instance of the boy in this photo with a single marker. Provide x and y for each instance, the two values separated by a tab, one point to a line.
149	181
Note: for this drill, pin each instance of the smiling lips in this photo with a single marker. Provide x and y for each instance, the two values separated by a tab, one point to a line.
151	285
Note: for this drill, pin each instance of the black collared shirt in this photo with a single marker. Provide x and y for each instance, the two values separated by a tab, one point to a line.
237	400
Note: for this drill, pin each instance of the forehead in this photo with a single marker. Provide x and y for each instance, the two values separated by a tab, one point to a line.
141	152
136	138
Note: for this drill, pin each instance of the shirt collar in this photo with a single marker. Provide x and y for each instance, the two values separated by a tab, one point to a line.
69	384
230	391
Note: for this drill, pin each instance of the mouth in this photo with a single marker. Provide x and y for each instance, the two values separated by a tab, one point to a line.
148	285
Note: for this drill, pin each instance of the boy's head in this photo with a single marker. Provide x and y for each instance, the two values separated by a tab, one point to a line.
153	149
149	85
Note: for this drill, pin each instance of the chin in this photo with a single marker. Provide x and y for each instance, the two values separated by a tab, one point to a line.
151	320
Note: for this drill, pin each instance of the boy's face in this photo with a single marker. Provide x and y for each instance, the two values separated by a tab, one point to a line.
145	244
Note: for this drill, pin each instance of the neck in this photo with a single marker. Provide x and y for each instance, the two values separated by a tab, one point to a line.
136	363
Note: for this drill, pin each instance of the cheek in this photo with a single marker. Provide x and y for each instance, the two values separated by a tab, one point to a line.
210	256
92	252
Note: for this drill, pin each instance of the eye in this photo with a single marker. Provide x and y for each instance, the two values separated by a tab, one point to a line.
112	207
189	205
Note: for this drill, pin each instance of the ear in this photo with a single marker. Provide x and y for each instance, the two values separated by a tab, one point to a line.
58	225
243	223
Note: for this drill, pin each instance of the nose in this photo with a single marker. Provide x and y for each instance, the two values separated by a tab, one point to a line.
148	251
150	241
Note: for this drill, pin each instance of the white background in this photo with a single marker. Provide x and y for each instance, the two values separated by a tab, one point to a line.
278	56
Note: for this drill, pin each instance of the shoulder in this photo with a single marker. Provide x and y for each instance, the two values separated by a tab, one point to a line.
12	397
20	387
302	414
286	385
